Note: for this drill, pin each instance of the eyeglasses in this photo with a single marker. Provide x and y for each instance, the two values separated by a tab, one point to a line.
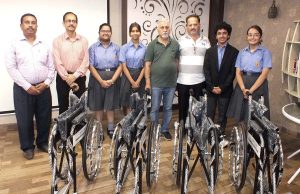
105	31
71	21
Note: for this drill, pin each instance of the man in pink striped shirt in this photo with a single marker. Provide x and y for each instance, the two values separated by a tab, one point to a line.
70	51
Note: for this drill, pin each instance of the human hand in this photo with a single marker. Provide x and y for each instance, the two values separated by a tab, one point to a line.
74	86
41	87
245	91
70	79
148	86
135	85
217	90
105	83
33	91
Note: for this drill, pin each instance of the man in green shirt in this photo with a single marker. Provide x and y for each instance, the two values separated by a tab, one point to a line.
161	62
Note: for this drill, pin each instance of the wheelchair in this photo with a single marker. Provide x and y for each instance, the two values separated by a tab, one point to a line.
257	139
201	133
135	146
74	128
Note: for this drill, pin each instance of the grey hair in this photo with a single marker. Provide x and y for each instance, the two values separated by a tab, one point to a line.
162	20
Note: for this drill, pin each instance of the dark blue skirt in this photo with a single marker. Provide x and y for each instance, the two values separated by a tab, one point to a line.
126	89
238	105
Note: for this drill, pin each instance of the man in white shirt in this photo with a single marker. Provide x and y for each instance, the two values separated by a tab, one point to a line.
193	46
29	63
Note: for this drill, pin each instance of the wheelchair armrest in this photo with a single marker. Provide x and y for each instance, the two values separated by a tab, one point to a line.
79	118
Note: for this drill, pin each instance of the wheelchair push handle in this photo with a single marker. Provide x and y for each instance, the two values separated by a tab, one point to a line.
74	87
191	92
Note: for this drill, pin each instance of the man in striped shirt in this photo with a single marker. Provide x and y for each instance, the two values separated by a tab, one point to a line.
193	46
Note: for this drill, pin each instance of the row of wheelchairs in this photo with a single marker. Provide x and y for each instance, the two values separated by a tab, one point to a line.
256	142
135	147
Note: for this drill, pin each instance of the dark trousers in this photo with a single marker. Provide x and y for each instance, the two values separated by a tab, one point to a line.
63	90
183	97
27	106
214	102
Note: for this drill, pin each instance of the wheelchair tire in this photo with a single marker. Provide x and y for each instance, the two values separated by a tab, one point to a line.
113	152
211	158
122	162
153	154
185	176
238	156
138	177
180	152
92	149
59	158
274	169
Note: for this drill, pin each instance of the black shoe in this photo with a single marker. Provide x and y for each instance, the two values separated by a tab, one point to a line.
110	133
43	148
28	154
166	135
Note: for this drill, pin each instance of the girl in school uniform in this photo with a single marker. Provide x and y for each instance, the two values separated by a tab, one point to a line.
132	58
253	65
105	71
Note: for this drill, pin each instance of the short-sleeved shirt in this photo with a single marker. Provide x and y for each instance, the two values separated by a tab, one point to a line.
163	63
102	58
133	57
191	59
255	61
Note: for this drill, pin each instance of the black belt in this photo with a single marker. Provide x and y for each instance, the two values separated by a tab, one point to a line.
37	84
138	68
251	73
108	69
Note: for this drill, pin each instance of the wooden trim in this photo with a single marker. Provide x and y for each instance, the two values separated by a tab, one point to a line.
124	21
216	15
108	11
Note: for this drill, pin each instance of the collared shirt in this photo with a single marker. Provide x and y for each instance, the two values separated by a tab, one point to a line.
255	61
221	51
163	62
70	56
133	57
101	57
29	64
191	59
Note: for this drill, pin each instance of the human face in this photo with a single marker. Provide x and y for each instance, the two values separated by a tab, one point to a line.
135	34
193	26
105	34
253	37
163	30
222	36
70	23
29	26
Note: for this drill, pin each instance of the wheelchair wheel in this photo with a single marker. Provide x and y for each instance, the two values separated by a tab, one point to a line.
238	156
59	163
259	182
274	169
113	152
211	158
122	162
153	154
92	149
185	176
178	152
138	177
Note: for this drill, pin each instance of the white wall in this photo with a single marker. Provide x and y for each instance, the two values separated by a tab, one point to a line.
49	15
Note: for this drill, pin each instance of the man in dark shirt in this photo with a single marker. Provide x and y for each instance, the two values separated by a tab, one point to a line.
161	61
